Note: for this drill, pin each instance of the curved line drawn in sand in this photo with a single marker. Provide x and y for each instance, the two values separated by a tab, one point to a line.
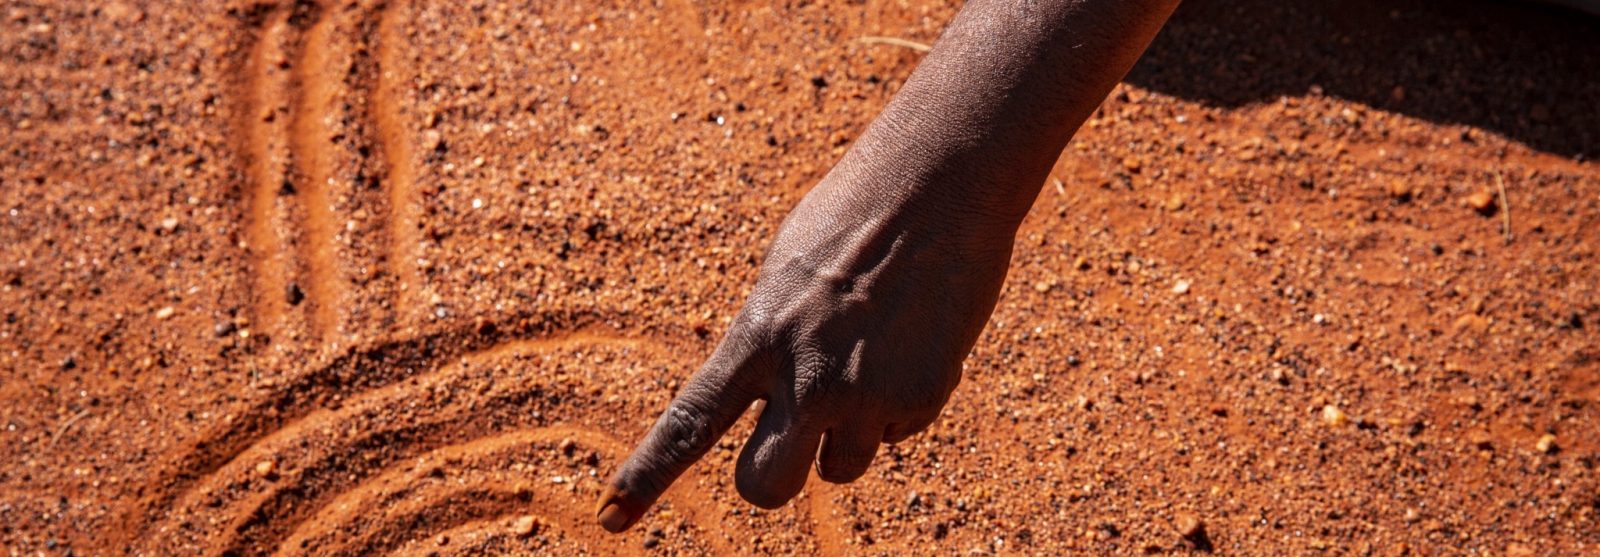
294	487
378	448
480	483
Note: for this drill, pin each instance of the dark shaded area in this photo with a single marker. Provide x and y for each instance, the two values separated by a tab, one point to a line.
1200	540
1530	72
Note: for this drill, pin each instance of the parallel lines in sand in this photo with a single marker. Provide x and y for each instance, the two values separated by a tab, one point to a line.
312	144
395	143
260	132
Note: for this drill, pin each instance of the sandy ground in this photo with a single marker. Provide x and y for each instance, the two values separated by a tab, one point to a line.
395	276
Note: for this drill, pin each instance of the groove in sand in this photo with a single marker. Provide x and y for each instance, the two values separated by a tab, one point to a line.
265	511
313	148
331	464
261	132
388	118
493	536
357	371
462	483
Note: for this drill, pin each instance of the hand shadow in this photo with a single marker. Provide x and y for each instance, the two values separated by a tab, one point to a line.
1530	72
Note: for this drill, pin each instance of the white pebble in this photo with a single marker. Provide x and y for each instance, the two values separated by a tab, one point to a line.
1333	416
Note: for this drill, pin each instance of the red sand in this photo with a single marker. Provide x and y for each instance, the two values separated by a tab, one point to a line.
397	276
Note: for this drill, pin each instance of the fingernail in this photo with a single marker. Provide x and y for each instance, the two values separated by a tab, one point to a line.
613	518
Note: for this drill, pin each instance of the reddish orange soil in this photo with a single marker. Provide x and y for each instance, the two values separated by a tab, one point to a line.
397	276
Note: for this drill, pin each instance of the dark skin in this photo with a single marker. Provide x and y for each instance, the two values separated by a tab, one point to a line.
878	283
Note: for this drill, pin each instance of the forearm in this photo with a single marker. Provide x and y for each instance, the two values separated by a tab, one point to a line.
980	122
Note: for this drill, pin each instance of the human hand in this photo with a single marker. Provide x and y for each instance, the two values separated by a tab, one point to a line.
879	282
854	335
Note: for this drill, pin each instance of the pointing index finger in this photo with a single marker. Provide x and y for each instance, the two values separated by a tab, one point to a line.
702	412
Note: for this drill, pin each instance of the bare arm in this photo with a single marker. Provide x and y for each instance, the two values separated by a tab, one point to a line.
880	280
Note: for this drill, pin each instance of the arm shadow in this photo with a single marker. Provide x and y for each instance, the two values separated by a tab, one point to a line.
1529	72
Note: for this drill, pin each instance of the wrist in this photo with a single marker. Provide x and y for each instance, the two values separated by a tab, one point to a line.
938	175
865	203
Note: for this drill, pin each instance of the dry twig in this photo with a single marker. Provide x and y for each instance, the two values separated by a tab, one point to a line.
913	45
1505	208
62	430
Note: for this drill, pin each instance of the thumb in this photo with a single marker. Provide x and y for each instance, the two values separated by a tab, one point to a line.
693	422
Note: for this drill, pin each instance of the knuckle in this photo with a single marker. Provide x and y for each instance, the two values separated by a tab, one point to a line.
686	436
753	327
814	380
812	386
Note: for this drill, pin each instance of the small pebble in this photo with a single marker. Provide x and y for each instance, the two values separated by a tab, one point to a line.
1481	201
165	312
1041	286
169	223
1333	416
1546	443
1187	525
525	526
1470	323
1181	287
1400	189
265	468
651	542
